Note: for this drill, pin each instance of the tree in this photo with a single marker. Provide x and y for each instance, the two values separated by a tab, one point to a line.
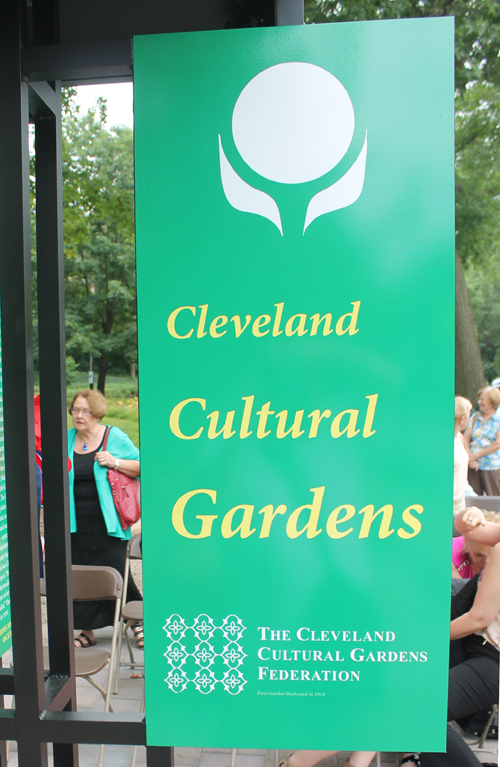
477	138
98	190
477	79
484	289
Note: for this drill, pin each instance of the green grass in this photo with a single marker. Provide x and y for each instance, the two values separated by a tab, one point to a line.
124	414
130	428
116	386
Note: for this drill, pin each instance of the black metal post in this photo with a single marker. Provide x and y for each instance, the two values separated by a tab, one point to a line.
17	353
3	743
158	756
52	356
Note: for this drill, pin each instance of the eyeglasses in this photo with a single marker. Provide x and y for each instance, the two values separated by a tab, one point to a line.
76	410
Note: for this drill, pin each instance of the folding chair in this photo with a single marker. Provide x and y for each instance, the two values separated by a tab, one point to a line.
131	612
89	584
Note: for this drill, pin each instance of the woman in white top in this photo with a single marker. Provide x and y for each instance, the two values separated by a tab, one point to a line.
461	461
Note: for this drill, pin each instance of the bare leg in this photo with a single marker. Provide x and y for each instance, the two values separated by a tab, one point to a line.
310	758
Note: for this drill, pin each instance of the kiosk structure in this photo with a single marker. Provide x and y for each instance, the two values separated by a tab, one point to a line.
43	44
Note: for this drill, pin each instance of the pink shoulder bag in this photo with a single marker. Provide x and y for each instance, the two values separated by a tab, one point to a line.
125	492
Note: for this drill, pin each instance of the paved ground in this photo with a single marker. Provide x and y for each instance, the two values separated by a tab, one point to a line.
129	699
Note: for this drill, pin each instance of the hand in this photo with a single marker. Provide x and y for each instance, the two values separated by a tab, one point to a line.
473	517
104	458
474	465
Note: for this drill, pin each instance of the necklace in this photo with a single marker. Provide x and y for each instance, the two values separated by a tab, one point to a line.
92	438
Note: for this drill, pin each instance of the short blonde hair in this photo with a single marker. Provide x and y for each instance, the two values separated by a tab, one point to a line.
462	405
492	393
97	402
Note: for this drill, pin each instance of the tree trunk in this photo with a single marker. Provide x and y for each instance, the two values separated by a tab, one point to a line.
469	375
103	369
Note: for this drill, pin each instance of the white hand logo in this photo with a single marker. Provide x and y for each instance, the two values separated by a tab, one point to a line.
292	123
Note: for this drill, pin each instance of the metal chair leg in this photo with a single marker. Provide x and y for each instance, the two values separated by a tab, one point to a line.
487	726
118	657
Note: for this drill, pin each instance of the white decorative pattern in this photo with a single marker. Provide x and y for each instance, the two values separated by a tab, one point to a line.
204	655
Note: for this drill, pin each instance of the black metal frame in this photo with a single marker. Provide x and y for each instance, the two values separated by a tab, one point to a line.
32	65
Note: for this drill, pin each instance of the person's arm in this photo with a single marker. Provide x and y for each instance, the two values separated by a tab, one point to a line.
121	450
492	448
468	519
486	604
126	466
471	522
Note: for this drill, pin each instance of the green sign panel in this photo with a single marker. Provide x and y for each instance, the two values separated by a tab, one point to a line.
5	622
295	246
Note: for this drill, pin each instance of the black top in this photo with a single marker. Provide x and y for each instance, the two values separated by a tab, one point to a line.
91	532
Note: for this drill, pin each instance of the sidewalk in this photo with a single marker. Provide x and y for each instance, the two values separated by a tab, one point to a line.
129	699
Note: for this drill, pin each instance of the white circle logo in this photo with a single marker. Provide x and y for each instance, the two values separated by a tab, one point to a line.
293	122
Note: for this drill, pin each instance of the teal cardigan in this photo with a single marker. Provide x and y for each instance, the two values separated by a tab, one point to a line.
120	446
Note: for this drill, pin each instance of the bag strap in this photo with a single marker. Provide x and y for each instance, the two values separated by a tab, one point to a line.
105	440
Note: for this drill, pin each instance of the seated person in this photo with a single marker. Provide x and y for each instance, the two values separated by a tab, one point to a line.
475	635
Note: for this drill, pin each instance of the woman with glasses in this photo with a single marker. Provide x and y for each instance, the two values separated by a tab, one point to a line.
97	537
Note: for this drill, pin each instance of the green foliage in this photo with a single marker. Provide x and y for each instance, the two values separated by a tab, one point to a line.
117	387
477	80
484	291
477	25
71	371
98	192
477	172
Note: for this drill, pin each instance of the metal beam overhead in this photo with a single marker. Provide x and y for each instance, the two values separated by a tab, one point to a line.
80	63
